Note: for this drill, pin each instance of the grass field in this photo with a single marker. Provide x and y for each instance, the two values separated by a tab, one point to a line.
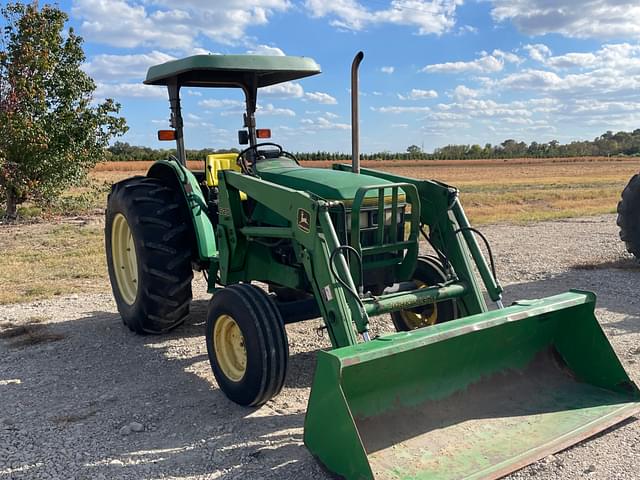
515	190
62	255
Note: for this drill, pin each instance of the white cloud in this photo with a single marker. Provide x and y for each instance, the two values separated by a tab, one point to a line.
462	92
128	90
485	64
538	52
387	70
572	18
325	124
506	56
129	24
400	109
428	16
467	29
283	90
417	94
321	97
266	50
220	103
571	60
269	109
124	67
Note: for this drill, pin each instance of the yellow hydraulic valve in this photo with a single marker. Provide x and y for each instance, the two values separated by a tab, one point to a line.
219	161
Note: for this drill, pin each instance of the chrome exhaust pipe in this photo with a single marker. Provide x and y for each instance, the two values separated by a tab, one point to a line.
355	125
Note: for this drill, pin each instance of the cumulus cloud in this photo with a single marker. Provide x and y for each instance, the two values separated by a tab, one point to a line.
400	109
220	103
283	90
387	70
128	23
486	63
269	109
118	91
462	92
325	122
427	16
266	50
124	67
572	18
417	94
321	97
538	52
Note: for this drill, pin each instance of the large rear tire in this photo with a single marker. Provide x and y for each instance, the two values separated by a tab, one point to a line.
247	344
629	216
148	245
429	272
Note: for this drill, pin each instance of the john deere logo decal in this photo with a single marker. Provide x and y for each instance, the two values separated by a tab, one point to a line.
304	220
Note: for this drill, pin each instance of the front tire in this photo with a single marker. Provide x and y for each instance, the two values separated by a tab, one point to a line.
428	272
629	216
247	344
148	247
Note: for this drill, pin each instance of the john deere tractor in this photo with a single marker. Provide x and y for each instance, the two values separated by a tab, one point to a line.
628	216
460	391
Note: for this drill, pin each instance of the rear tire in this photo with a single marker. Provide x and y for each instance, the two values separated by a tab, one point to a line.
247	344
429	272
629	216
148	245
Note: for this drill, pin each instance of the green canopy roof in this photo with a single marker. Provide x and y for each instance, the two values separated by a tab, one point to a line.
232	70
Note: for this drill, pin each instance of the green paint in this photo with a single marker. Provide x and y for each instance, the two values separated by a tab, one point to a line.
232	70
470	398
203	229
327	184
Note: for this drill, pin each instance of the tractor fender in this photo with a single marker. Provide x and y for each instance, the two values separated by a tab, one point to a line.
178	177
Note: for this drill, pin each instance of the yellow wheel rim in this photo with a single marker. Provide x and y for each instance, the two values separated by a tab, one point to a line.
231	352
424	318
125	261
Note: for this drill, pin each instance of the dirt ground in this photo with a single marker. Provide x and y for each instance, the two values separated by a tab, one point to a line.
81	397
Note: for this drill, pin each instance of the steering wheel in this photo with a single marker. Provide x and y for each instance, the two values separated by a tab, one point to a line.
241	160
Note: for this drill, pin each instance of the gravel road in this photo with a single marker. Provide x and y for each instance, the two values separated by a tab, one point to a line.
81	397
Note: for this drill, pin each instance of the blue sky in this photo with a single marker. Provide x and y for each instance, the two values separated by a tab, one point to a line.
435	71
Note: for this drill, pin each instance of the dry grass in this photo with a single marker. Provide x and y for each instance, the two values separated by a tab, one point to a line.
514	190
43	260
28	334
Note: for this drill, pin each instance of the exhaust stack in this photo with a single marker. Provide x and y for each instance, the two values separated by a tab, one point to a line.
355	123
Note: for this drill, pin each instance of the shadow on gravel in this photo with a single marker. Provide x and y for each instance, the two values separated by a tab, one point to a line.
100	377
75	395
616	290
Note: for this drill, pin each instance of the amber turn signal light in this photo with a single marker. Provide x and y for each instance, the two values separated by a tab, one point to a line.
164	135
263	133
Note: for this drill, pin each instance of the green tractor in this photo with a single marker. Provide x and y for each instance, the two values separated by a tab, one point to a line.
460	391
627	220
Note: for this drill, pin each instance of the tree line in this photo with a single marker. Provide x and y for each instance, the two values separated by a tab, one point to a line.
607	144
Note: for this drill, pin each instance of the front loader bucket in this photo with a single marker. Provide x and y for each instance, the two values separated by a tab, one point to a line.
474	398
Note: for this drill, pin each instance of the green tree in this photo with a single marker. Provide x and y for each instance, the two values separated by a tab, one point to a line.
51	133
414	150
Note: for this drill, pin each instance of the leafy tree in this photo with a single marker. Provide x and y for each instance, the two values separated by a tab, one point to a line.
50	131
414	150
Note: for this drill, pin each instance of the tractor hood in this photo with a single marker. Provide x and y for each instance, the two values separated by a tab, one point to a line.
326	183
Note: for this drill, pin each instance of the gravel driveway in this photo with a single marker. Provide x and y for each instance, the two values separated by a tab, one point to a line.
82	397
